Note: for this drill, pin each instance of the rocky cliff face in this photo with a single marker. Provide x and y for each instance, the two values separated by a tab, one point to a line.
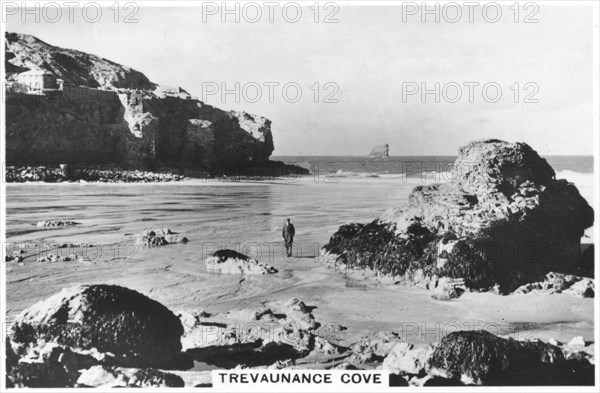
503	221
93	120
25	52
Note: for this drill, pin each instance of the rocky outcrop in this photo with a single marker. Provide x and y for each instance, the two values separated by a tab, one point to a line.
123	325
380	151
503	221
107	113
480	358
232	262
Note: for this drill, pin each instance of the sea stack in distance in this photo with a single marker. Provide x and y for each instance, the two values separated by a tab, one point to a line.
380	151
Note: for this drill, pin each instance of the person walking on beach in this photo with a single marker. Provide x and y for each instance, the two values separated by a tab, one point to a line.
288	233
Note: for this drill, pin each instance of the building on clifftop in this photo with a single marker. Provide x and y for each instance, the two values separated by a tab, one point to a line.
38	79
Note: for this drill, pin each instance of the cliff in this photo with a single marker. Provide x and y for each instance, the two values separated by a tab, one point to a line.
24	52
92	120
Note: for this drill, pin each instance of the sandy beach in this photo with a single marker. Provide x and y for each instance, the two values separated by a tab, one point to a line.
247	217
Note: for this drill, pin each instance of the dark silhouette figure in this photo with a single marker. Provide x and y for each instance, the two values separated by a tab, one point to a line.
288	233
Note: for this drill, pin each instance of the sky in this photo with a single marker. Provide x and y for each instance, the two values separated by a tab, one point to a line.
366	70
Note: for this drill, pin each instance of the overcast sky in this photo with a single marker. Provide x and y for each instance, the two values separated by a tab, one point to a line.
372	56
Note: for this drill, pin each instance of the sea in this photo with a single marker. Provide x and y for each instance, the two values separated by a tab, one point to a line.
412	166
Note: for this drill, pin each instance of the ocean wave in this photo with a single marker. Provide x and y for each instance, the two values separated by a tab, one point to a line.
572	176
579	178
425	176
343	174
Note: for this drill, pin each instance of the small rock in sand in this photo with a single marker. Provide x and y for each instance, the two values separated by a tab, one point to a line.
232	262
158	237
99	376
62	258
13	258
55	223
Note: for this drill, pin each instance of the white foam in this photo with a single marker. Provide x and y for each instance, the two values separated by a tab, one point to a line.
578	178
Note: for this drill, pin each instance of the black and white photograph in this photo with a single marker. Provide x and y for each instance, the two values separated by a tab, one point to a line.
299	196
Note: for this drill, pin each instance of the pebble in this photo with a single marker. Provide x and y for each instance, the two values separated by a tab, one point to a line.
102	175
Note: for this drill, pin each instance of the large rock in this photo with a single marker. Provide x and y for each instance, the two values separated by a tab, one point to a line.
503	220
479	357
137	330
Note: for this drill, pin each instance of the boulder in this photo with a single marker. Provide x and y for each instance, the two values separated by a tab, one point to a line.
232	262
502	221
134	329
448	289
405	358
295	312
480	358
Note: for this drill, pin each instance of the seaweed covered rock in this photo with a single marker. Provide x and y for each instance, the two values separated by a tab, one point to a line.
135	330
503	221
38	375
376	246
232	262
481	358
